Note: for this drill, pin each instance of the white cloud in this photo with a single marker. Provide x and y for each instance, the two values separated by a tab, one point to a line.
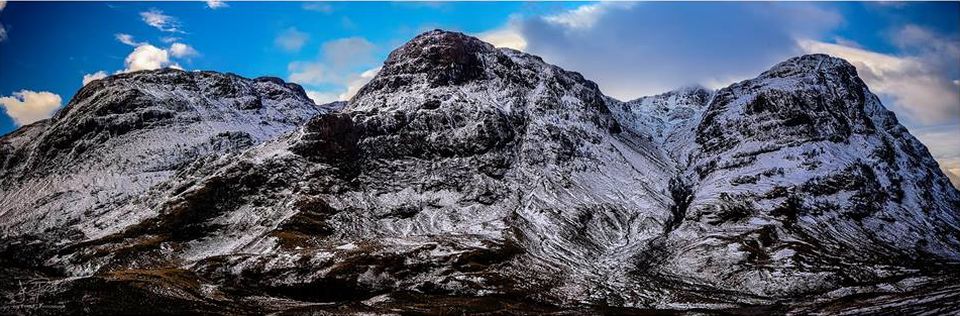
26	106
216	4
322	97
3	4
163	22
291	39
508	36
181	50
94	76
917	87
147	57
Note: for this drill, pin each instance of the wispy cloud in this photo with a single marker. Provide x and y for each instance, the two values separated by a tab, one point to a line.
170	39
216	4
338	59
291	39
349	51
318	7
161	21
337	65
585	16
127	39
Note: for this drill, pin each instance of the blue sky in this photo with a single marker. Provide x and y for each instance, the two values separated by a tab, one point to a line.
909	53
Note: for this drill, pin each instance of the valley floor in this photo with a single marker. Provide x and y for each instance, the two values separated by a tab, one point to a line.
137	293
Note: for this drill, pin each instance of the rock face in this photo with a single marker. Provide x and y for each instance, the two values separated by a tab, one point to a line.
480	179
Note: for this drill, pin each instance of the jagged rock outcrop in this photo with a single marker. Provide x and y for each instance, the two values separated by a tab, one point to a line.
484	178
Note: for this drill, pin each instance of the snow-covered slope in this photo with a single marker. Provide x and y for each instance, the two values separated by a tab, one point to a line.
472	175
121	136
804	182
668	120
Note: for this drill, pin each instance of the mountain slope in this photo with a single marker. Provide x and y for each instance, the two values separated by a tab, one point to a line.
802	180
121	136
478	176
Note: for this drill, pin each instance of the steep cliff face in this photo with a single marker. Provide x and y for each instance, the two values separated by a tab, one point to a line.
475	176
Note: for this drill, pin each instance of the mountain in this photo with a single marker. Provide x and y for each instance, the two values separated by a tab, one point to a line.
800	179
122	136
470	178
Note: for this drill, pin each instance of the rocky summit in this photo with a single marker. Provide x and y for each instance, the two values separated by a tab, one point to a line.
465	178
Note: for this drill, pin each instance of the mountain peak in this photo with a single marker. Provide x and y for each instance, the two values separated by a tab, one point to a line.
454	55
805	65
435	58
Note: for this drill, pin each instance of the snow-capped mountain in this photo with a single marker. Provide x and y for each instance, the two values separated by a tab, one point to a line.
472	178
800	179
120	137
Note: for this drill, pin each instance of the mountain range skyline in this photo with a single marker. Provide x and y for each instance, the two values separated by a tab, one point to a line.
469	178
907	52
435	158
